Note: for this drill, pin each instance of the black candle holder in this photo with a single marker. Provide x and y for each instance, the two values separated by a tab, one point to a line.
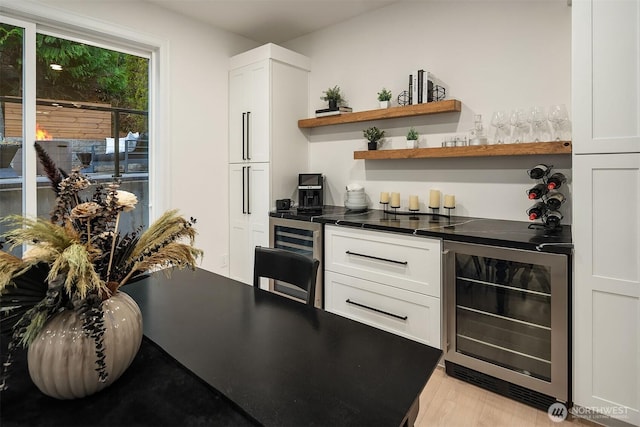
448	208
435	211
384	210
414	213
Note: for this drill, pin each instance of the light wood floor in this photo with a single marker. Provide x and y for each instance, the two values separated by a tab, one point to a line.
449	402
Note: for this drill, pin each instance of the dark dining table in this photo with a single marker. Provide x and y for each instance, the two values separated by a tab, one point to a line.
220	352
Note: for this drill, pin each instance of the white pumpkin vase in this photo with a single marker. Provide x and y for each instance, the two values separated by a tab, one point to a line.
62	359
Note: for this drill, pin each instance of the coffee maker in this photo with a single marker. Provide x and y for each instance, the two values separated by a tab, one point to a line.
310	192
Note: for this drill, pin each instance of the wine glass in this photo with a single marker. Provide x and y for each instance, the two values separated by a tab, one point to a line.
500	120
520	125
559	119
539	126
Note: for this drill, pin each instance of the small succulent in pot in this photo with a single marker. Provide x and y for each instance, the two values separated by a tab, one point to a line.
412	138
333	97
373	135
384	96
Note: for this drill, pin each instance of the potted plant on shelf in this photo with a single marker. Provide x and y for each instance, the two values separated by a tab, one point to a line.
373	135
384	96
333	97
61	300
412	138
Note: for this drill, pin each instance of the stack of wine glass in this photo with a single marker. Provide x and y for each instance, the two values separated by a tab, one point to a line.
535	124
546	195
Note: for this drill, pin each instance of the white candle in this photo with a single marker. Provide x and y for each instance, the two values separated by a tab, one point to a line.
413	203
384	197
395	200
434	199
449	201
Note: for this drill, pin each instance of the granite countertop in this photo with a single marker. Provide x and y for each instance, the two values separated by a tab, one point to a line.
513	234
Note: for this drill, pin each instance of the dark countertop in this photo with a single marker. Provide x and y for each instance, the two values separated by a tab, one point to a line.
217	352
155	391
513	234
284	363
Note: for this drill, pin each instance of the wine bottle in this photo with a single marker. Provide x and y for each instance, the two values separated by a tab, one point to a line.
537	211
554	200
539	171
537	191
556	180
552	219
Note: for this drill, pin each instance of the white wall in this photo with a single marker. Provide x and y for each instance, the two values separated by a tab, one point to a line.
196	118
490	54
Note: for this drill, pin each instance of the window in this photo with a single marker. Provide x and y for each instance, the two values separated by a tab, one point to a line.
91	108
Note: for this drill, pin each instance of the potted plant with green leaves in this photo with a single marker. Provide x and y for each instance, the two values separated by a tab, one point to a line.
412	138
384	96
333	96
374	136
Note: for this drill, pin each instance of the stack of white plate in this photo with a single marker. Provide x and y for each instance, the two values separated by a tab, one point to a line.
356	199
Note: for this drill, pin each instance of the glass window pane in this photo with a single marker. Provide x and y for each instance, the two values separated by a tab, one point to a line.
91	114
11	87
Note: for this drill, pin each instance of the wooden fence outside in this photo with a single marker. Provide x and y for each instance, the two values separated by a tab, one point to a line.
61	122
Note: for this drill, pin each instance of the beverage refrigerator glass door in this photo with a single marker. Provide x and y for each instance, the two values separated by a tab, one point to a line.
305	238
507	318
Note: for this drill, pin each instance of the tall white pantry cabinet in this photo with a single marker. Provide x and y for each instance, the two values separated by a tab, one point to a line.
268	94
606	197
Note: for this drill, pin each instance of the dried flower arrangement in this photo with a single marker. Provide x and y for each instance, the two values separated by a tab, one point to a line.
78	258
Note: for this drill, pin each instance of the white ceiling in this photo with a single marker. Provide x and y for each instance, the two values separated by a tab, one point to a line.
274	21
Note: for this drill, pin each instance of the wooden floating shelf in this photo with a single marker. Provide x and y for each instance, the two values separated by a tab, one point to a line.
524	149
447	106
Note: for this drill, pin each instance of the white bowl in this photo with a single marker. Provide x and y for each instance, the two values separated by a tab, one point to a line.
355	206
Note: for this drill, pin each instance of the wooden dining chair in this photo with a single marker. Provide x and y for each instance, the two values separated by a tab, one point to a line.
286	266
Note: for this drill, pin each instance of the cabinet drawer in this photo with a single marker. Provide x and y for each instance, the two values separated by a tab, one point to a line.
407	262
403	313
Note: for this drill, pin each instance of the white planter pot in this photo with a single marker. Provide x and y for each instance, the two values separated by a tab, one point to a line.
412	143
384	104
62	359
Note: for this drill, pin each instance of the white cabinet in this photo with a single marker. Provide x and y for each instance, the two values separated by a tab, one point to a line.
606	207
249	113
390	281
605	70
249	216
268	93
606	230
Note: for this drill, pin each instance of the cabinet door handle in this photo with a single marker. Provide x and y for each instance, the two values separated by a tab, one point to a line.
377	310
244	156
248	137
378	258
244	211
248	189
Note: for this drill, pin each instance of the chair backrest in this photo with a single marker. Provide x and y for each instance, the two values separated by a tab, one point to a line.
286	266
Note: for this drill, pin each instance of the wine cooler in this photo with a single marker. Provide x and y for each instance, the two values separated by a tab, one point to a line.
304	238
507	325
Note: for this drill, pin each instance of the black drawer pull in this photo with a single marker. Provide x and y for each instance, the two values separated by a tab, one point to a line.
375	257
377	310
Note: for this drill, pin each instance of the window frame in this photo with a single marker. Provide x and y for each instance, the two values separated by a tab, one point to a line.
50	21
